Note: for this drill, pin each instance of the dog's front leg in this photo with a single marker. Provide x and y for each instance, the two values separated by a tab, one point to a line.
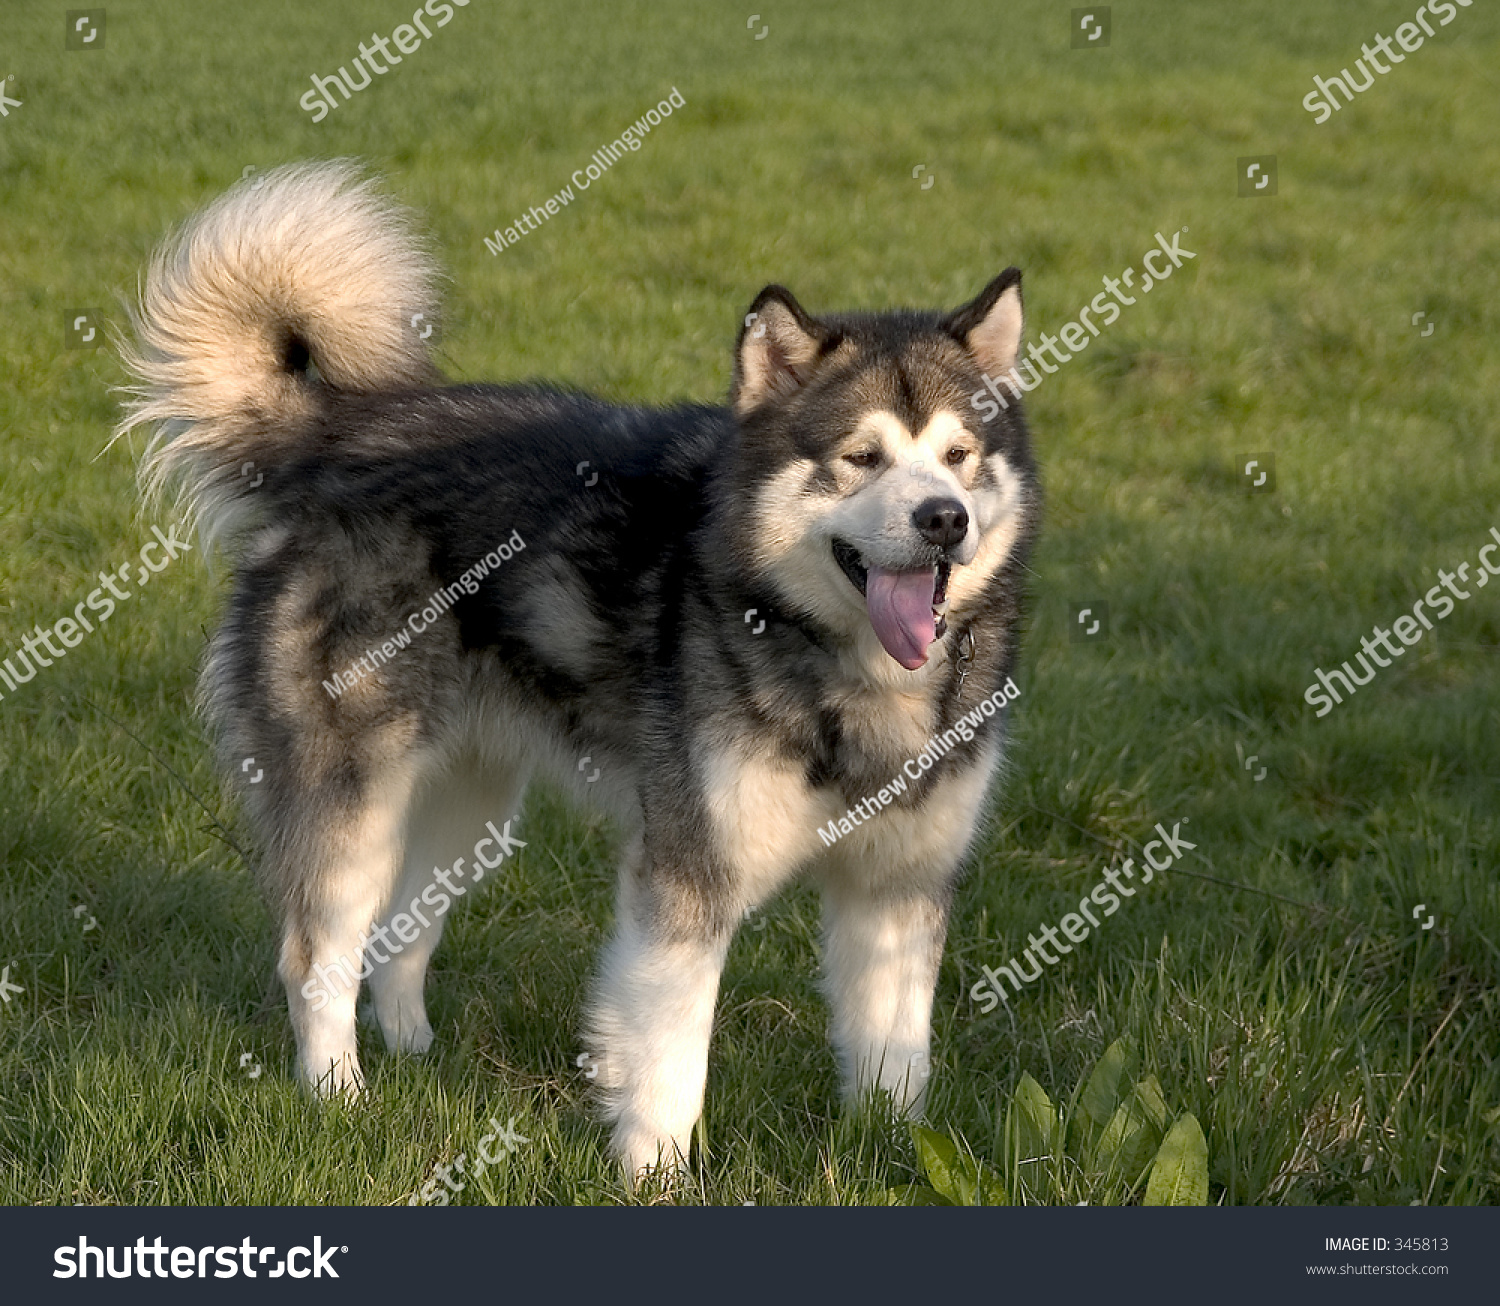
653	1013
881	955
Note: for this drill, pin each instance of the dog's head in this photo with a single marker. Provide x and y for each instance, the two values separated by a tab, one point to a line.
876	497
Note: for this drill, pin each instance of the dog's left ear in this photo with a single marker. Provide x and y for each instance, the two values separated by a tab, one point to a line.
778	348
989	327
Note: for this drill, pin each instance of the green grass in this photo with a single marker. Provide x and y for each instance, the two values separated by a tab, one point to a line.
1333	1050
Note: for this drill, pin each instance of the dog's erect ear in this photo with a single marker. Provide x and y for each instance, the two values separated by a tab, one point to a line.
989	327
778	348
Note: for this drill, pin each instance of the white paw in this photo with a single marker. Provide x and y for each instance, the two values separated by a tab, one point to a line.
335	1078
415	1040
903	1080
408	1030
647	1153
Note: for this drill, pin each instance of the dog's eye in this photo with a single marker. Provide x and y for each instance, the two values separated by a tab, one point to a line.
864	458
956	456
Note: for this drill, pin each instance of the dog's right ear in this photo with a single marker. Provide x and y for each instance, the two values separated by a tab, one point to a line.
778	348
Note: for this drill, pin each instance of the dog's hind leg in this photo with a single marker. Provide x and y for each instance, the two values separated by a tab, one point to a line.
447	849
333	864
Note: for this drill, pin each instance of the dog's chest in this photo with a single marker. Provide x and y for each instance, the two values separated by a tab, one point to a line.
865	733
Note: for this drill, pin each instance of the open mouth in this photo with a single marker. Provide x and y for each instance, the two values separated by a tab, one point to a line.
908	609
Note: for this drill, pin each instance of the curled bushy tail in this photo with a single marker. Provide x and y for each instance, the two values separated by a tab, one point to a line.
296	280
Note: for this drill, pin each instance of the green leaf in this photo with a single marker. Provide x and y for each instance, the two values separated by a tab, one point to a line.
915	1195
978	1184
938	1155
1135	1131
1030	1120
1179	1175
1109	1085
957	1178
1133	1134
966	1180
1121	1128
1120	1141
1100	1096
1148	1093
1152	1114
990	1187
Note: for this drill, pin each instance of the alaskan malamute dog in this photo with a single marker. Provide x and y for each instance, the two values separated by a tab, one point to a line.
769	638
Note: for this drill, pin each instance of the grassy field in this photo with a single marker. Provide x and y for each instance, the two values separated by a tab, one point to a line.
1337	1045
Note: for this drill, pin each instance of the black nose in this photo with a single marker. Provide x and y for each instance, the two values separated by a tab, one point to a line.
941	521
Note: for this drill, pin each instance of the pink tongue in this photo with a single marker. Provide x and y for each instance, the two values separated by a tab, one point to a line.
900	604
